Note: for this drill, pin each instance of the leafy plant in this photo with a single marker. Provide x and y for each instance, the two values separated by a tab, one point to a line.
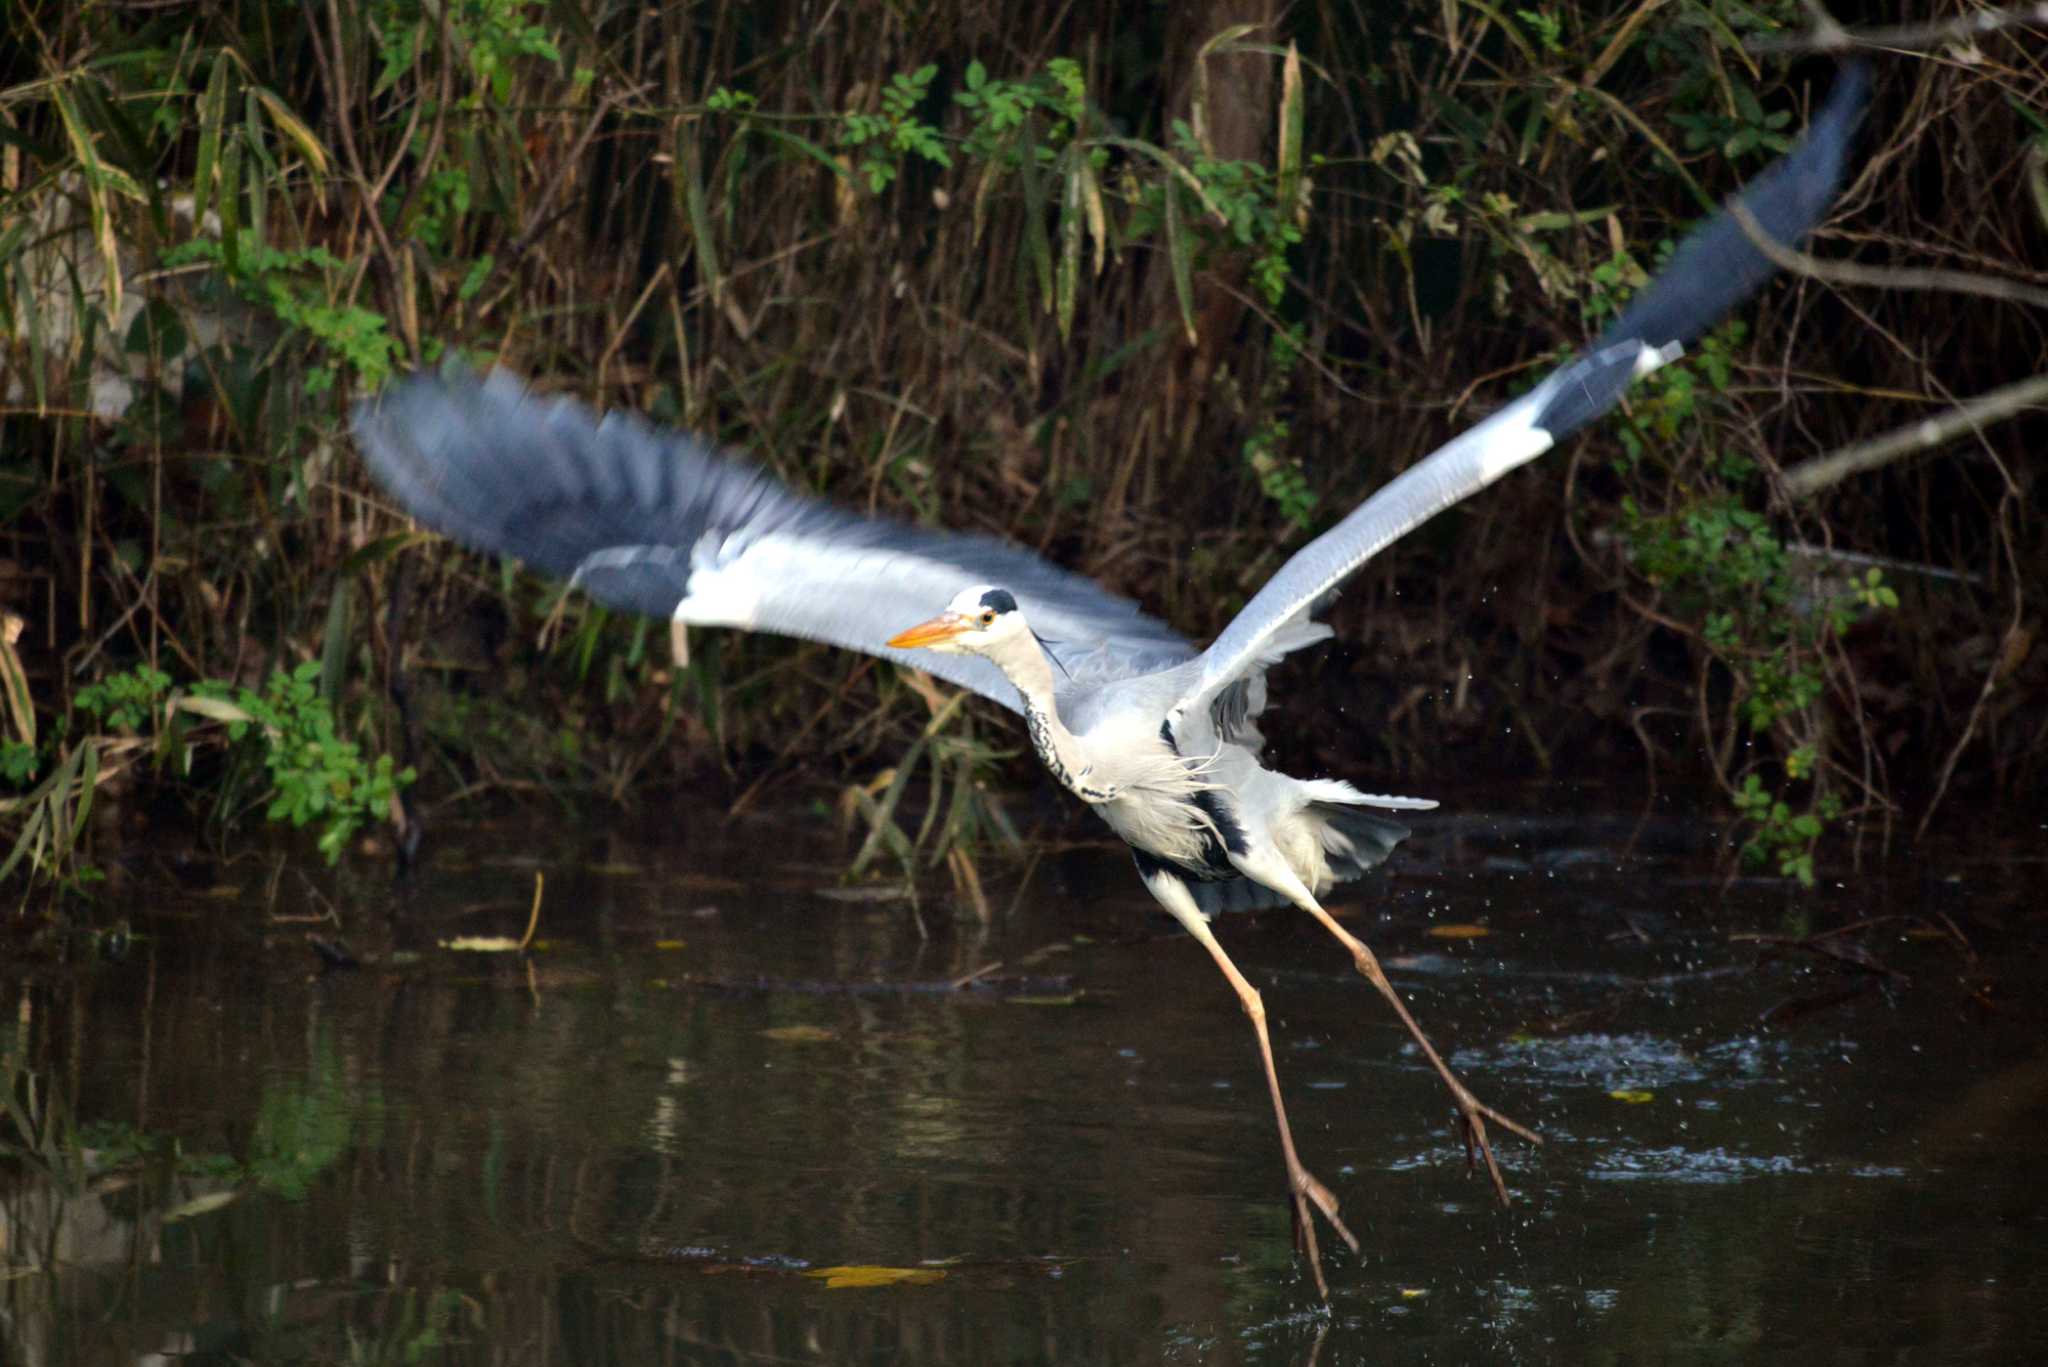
962	810
1745	129
1782	835
1771	627
1000	109
316	776
884	139
305	289
126	701
52	820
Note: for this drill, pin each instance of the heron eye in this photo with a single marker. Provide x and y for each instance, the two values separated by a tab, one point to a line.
988	619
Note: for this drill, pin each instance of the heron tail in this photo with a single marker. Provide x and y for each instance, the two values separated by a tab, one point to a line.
1355	841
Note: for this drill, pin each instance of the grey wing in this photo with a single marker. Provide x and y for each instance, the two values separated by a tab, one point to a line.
655	522
1712	271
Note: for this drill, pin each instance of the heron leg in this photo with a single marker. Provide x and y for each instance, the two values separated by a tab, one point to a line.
1302	1186
1275	874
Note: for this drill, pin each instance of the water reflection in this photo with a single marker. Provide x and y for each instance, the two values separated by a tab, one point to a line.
710	1087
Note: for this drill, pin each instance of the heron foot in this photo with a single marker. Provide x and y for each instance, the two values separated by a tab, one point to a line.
1472	1112
1303	1191
1472	1117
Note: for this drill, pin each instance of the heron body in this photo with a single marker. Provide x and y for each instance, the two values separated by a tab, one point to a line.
1194	814
1160	738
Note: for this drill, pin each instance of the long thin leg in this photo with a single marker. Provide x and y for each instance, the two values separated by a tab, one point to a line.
1276	875
1302	1186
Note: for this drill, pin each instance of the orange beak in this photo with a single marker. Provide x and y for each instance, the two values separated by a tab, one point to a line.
943	627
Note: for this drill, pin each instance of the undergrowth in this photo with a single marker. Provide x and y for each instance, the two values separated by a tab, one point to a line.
1162	303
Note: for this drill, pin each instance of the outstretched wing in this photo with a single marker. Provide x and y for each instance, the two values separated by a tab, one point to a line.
655	522
1713	270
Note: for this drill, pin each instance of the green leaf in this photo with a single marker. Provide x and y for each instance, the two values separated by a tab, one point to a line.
1072	220
1180	255
702	240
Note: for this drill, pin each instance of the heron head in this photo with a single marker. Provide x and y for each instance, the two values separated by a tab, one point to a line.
977	620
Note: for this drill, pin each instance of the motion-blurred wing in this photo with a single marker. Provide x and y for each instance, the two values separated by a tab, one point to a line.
1713	270
654	522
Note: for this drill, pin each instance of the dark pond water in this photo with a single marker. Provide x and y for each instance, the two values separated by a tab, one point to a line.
712	1086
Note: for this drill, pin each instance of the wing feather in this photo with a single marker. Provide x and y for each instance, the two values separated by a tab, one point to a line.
655	522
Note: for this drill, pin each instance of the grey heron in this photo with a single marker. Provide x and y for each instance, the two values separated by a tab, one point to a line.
1160	738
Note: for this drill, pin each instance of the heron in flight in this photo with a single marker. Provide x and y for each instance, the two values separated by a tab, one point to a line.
1159	737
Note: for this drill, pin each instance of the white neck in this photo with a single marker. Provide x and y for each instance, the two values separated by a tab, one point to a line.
1024	663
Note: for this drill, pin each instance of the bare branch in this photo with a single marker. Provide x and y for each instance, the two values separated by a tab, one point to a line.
1884	277
1810	477
1829	36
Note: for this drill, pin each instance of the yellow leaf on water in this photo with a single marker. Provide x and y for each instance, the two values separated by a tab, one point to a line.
1632	1097
1413	1293
1459	932
668	944
483	944
861	1277
798	1034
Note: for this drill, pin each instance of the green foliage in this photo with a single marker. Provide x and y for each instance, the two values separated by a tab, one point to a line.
1721	564
1280	477
41	1135
1547	29
127	701
305	288
1000	108
316	775
51	818
1000	112
1712	104
493	37
1745	130
884	139
19	762
1782	836
1771	624
1245	196
444	200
